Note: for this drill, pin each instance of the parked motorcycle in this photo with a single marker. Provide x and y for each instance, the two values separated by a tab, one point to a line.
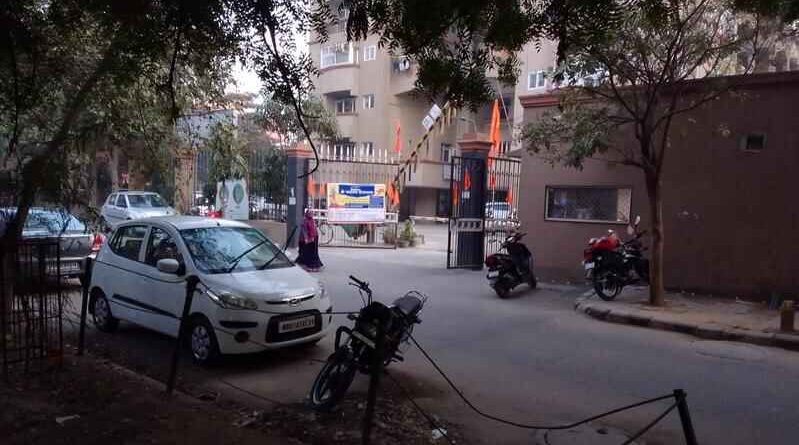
611	263
355	352
508	270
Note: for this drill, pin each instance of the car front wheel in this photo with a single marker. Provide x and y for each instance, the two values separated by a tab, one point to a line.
101	313
202	342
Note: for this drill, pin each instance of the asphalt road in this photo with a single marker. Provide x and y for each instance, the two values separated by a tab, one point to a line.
530	358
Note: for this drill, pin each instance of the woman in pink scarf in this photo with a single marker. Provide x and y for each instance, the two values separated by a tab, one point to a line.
309	244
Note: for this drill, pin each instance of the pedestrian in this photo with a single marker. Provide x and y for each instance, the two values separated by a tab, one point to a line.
308	257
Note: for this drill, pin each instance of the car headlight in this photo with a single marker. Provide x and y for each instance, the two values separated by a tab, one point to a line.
231	301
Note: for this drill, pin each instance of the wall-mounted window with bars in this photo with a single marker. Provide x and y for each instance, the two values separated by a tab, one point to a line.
588	204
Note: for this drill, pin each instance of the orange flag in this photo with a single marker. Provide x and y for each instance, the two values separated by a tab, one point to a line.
492	181
509	198
467	180
395	195
455	193
311	187
397	140
494	130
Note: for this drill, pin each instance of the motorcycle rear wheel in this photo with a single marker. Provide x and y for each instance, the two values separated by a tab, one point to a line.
333	381
607	285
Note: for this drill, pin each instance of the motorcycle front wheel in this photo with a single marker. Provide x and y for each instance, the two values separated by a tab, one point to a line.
606	284
333	381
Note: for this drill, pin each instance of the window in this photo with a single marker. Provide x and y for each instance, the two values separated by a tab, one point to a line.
345	106
370	53
160	246
337	54
753	142
214	249
54	222
536	79
601	204
127	241
150	200
121	201
368	101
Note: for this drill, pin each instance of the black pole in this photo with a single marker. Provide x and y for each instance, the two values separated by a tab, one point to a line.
191	286
374	383
685	417
84	304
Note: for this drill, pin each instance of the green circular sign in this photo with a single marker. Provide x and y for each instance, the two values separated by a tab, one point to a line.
238	193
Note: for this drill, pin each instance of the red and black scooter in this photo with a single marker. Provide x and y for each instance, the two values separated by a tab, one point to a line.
611	263
508	270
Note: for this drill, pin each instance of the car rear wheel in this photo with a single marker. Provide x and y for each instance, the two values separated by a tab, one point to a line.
104	320
202	342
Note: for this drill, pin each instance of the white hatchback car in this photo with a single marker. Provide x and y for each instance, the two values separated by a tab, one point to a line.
126	205
251	297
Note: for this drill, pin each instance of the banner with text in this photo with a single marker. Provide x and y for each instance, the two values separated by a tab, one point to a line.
356	203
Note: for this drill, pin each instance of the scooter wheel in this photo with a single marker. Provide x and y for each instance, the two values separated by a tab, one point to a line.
501	290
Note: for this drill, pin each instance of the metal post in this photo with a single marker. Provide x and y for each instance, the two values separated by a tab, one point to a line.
374	383
685	417
296	187
191	286
84	304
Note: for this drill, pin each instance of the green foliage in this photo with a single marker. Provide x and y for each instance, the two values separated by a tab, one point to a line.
280	118
228	158
635	77
407	233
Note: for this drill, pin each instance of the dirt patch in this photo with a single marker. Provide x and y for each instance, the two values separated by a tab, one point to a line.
93	401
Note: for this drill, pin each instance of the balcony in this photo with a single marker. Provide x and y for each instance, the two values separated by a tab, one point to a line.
403	75
342	77
347	125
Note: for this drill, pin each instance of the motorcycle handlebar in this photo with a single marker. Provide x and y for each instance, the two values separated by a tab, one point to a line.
360	283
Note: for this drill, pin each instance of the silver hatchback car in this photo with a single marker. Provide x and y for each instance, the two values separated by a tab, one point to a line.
126	205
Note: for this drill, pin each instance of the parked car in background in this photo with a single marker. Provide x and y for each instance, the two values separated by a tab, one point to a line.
128	204
75	239
251	297
500	210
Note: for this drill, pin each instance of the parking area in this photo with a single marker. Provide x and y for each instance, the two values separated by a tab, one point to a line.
530	358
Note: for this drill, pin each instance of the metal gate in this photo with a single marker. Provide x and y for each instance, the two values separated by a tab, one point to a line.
484	208
31	306
350	165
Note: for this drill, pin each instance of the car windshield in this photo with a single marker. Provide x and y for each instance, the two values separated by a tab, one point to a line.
53	222
148	200
214	249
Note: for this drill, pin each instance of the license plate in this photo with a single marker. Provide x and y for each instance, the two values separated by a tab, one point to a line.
70	267
297	324
493	274
588	266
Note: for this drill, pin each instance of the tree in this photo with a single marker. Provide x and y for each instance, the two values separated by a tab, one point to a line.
279	118
62	61
227	154
662	62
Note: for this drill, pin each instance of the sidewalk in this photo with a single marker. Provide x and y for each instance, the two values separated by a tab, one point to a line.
701	316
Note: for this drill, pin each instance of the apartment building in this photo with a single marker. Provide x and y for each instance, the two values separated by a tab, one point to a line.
371	92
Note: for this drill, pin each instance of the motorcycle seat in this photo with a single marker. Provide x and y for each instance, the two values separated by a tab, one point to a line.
409	305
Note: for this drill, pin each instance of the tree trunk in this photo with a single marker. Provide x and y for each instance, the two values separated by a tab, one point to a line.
656	285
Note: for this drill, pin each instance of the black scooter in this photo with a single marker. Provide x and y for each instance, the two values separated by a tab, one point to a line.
508	270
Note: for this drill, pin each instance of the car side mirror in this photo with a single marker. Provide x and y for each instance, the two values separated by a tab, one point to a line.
168	265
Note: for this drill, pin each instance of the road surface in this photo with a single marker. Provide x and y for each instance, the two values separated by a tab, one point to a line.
530	358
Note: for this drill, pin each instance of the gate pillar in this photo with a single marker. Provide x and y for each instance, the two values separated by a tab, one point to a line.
296	188
474	148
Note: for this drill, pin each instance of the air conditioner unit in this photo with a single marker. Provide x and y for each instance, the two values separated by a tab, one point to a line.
403	64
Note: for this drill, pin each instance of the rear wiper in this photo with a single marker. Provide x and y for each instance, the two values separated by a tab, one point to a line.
238	258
